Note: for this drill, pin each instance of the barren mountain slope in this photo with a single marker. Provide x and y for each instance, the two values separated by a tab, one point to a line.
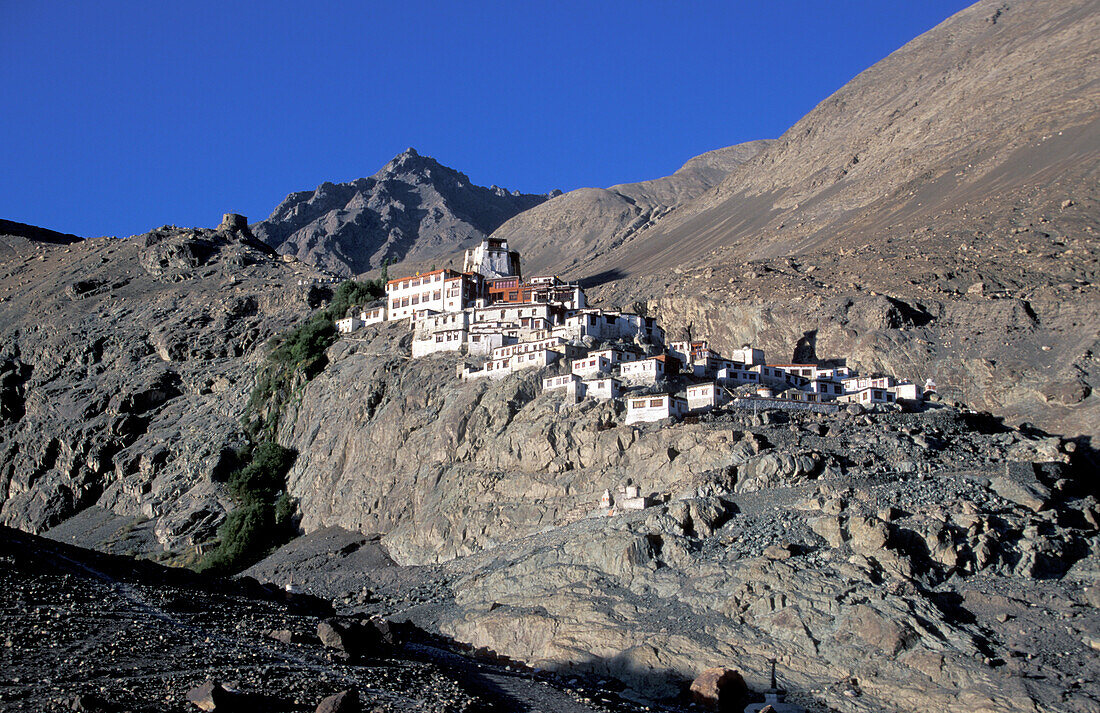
580	224
970	108
413	209
124	368
956	183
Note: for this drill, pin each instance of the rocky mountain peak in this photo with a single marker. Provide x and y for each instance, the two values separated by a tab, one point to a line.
413	208
409	161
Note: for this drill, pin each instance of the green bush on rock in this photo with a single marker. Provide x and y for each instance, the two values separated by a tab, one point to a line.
264	516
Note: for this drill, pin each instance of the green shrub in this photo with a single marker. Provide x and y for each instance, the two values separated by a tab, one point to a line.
284	515
243	538
264	516
306	342
264	475
351	294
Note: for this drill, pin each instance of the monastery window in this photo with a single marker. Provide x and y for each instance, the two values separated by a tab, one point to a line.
439	338
437	295
638	404
405	302
416	299
656	403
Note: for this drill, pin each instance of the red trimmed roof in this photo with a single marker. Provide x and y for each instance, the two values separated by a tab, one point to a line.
420	275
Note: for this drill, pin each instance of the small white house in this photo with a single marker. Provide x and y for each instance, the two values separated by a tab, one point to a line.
907	391
534	360
441	321
834	373
589	365
614	356
868	397
709	366
748	355
451	340
631	498
609	388
482	343
702	397
348	324
527	347
778	376
656	407
859	383
647	371
826	389
374	315
551	383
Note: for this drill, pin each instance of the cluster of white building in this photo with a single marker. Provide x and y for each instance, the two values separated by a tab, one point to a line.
489	311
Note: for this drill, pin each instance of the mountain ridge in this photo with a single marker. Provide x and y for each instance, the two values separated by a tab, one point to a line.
412	208
589	221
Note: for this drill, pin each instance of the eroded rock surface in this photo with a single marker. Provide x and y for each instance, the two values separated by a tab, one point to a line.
124	371
877	556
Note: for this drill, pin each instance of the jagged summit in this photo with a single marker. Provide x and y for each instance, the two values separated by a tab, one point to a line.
414	208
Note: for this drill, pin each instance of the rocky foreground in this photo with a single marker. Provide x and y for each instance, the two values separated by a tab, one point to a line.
888	560
95	633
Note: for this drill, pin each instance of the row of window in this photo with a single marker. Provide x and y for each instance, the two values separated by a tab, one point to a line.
416	299
417	281
641	403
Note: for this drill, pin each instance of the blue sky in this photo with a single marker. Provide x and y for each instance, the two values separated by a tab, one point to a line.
122	116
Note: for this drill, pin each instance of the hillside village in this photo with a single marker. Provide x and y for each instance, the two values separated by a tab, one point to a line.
490	312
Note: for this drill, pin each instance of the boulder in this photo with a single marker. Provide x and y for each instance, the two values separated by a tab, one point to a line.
831	529
1034	495
782	551
355	639
868	535
210	696
335	635
90	703
342	702
719	689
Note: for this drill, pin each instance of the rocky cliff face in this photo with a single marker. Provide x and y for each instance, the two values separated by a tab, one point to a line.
125	367
876	556
414	209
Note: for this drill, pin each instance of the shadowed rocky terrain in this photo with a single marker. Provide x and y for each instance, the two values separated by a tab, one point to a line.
100	634
414	209
125	368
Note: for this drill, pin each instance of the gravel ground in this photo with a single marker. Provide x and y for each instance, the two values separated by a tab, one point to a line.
138	636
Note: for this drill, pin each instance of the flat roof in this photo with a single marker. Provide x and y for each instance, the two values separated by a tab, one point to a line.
419	275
